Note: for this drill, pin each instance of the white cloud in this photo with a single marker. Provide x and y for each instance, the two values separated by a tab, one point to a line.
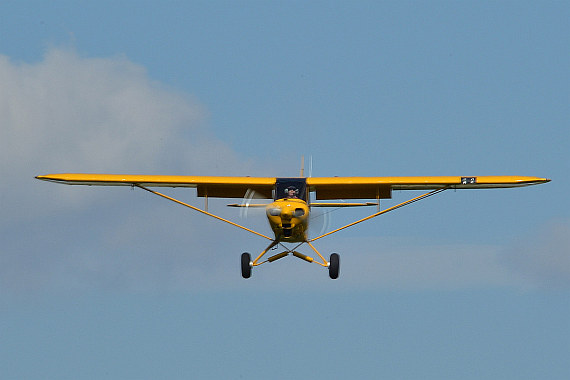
538	261
87	114
68	113
408	264
542	259
73	114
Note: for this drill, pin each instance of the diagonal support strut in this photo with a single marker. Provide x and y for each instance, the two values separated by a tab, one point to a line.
423	196
202	211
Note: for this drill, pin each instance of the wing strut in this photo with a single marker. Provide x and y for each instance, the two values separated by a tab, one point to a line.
202	211
426	195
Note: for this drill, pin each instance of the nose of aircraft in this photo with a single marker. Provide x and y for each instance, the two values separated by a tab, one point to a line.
286	217
290	213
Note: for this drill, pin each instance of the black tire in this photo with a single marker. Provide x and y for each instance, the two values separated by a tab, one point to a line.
245	265
334	266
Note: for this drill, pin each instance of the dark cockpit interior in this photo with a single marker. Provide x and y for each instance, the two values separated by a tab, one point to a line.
295	188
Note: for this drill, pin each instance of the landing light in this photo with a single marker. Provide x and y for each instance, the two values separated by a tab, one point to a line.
274	211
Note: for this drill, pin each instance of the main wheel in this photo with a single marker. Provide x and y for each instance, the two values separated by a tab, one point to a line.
245	265
334	266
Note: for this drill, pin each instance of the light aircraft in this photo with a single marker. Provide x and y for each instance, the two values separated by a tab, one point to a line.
288	212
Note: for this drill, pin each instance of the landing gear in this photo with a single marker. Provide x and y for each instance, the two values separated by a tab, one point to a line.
334	266
245	265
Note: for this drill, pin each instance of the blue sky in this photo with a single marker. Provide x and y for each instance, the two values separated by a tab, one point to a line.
114	283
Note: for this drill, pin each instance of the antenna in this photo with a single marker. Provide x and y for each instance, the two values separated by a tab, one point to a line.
302	166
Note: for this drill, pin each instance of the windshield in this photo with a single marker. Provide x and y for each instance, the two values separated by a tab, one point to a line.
293	188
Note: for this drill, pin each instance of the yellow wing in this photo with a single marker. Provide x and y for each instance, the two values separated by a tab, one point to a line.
210	186
325	187
381	187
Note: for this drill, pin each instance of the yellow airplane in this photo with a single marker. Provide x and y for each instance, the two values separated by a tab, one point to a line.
288	213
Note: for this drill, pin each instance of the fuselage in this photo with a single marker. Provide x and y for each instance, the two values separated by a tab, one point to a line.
288	215
289	219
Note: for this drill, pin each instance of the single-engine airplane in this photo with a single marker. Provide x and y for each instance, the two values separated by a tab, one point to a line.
288	213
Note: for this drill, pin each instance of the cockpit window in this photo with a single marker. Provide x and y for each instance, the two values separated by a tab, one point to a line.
292	188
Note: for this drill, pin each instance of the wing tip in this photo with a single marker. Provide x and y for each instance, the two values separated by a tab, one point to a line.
540	180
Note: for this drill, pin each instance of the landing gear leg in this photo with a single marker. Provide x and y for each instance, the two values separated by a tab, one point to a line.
245	265
334	266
